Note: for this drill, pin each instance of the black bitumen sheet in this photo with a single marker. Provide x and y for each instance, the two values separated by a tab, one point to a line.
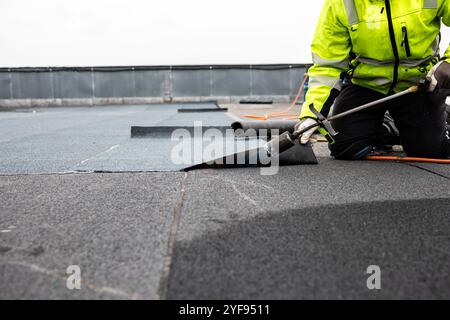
298	154
312	232
166	132
97	139
114	226
202	110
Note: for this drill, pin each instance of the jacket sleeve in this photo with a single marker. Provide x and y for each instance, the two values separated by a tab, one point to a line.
444	12
330	47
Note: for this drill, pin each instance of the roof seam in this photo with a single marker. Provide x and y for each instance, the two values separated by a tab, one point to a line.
427	170
168	259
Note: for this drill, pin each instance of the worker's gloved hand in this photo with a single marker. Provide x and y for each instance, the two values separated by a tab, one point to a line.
303	124
440	76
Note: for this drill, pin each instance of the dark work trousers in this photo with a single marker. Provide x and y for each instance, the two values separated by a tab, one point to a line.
419	117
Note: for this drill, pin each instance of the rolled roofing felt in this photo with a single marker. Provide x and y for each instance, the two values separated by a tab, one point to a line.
166	131
260	128
259	157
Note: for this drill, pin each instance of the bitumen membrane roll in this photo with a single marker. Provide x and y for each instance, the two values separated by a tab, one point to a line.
298	154
249	128
186	110
166	131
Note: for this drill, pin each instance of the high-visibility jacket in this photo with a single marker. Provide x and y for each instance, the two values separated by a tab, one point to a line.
384	45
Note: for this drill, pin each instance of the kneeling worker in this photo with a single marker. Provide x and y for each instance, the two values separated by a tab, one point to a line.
364	50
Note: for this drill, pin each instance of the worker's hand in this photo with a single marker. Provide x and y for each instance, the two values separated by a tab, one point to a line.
303	124
440	76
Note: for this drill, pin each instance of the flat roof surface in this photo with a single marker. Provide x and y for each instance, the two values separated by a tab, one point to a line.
310	231
88	139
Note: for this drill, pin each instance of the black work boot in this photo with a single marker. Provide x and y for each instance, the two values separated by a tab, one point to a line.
388	134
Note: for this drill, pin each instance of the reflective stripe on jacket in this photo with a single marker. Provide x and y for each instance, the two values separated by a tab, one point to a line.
384	45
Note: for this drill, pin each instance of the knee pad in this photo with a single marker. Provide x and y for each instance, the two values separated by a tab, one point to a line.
354	151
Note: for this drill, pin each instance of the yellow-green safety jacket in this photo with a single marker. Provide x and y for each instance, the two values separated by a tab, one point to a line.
384	45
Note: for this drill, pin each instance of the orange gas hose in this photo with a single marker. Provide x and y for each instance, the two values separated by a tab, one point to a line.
287	113
407	159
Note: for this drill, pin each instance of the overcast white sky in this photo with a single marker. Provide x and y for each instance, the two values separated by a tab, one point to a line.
156	32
